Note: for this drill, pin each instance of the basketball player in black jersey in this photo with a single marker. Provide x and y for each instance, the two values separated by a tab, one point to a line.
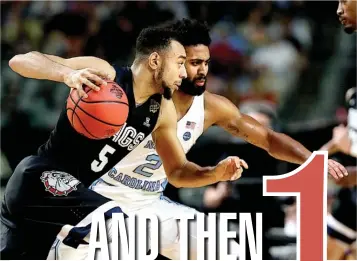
346	12
49	189
342	221
339	246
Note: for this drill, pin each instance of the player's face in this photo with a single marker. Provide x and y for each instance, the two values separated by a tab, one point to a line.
173	70
346	12
197	62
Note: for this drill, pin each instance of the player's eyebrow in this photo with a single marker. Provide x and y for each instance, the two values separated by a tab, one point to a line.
182	57
201	60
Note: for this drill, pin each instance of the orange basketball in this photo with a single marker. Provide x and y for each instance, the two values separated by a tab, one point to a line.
102	114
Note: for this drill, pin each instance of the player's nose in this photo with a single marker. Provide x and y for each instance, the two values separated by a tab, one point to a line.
339	10
183	73
203	69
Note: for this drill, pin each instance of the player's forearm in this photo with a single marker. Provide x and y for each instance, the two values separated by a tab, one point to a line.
285	148
192	176
37	66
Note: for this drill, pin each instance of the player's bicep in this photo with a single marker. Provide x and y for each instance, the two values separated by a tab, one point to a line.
83	62
242	125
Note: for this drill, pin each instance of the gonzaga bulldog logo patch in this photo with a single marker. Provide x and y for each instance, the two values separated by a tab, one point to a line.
59	183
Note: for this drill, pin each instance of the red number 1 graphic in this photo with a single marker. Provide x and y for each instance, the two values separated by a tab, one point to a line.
309	184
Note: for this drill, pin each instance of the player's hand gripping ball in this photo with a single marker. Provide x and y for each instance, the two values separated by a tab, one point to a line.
101	114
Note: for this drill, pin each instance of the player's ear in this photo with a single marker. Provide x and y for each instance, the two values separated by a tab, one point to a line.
154	60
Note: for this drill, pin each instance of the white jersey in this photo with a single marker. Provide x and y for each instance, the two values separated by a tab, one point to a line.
140	176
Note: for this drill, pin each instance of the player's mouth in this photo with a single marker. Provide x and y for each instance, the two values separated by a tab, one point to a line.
177	86
343	21
200	82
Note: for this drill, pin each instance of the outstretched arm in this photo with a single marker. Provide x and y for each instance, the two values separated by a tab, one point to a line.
179	171
74	71
278	145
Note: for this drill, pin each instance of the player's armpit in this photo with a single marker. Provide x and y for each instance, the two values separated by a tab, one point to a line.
179	171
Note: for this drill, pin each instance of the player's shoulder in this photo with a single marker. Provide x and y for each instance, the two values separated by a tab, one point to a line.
216	102
218	108
167	113
167	107
122	74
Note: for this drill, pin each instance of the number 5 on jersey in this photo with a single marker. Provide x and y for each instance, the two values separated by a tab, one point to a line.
103	159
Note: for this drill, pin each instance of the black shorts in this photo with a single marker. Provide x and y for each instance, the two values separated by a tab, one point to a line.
39	200
342	222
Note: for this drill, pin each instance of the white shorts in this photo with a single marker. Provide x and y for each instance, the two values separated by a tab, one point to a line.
167	212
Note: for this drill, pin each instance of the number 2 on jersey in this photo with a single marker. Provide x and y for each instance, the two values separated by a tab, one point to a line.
155	163
98	166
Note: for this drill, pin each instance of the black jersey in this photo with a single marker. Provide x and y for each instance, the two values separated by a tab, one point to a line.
352	115
88	159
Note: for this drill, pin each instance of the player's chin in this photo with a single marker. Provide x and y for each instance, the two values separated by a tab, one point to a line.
349	29
167	93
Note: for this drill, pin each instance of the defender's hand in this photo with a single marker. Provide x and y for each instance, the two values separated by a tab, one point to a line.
90	77
336	170
230	169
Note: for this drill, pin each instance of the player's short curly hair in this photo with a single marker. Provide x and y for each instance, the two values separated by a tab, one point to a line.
154	39
192	32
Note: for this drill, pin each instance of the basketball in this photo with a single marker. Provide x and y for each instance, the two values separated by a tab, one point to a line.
101	114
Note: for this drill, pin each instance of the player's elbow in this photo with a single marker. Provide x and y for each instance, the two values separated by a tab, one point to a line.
18	60
174	179
174	182
15	61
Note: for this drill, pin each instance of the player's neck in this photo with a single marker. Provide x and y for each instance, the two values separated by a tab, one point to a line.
143	85
182	103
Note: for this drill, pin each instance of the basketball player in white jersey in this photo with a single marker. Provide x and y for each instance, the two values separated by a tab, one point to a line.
137	181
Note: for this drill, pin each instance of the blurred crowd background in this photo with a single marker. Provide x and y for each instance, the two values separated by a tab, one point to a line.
286	63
